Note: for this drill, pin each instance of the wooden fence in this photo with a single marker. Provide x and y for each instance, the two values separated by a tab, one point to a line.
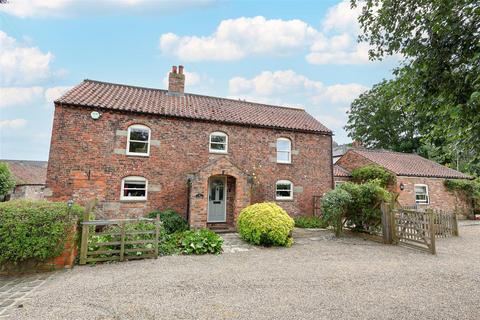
446	224
417	229
119	243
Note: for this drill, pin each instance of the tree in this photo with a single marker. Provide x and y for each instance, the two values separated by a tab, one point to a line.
439	78
381	118
6	180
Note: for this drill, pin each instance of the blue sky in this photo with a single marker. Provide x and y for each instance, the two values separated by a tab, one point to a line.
292	53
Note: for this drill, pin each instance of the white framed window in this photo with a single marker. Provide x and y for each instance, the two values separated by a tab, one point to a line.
138	140
284	150
218	142
134	188
284	190
421	193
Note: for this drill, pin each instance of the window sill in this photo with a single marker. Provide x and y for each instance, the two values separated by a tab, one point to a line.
278	162
219	152
137	155
132	200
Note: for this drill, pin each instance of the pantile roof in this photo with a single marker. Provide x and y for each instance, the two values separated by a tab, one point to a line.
409	164
120	97
340	172
27	172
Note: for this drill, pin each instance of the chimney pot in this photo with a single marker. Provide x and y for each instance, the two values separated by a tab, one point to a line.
176	81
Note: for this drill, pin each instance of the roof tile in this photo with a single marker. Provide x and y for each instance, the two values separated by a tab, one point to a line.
409	164
155	101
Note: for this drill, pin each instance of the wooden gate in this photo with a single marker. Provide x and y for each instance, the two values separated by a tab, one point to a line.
316	205
417	229
414	229
123	243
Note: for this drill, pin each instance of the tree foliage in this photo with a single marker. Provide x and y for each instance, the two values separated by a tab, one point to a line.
6	180
434	99
373	172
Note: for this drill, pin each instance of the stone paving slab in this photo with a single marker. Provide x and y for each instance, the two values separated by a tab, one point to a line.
15	290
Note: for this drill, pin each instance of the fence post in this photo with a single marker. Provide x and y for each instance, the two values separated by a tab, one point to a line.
455	224
122	242
84	241
386	223
157	233
431	229
85	230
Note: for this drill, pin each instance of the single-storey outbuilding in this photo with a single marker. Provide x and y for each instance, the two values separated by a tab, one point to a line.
29	176
420	182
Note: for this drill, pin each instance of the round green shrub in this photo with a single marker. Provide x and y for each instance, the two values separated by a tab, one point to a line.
34	229
172	221
266	224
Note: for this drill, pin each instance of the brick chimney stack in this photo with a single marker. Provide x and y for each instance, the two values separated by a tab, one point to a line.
176	81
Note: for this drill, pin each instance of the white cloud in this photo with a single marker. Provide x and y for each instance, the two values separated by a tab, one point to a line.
338	41
236	38
12	124
72	8
328	103
30	96
341	17
334	43
51	94
21	64
289	84
18	96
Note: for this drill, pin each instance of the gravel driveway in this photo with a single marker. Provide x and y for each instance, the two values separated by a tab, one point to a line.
318	278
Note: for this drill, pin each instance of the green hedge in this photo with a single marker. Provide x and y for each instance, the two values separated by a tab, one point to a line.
310	222
266	224
34	229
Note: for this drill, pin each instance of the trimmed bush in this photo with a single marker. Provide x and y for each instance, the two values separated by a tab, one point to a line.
310	222
266	224
373	172
34	229
172	221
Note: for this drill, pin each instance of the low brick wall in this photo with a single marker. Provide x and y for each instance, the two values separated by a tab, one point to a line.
65	260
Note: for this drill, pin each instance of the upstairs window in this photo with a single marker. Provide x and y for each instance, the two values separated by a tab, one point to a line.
138	143
284	190
218	142
134	188
284	150
421	194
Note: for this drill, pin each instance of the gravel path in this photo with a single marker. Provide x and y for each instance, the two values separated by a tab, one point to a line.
318	278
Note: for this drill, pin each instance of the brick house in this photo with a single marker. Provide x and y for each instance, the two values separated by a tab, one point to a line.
420	182
29	179
139	149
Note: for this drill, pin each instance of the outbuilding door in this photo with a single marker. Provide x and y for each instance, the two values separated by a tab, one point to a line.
217	195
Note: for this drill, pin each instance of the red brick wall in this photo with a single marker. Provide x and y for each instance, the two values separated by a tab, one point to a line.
440	197
83	164
352	160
